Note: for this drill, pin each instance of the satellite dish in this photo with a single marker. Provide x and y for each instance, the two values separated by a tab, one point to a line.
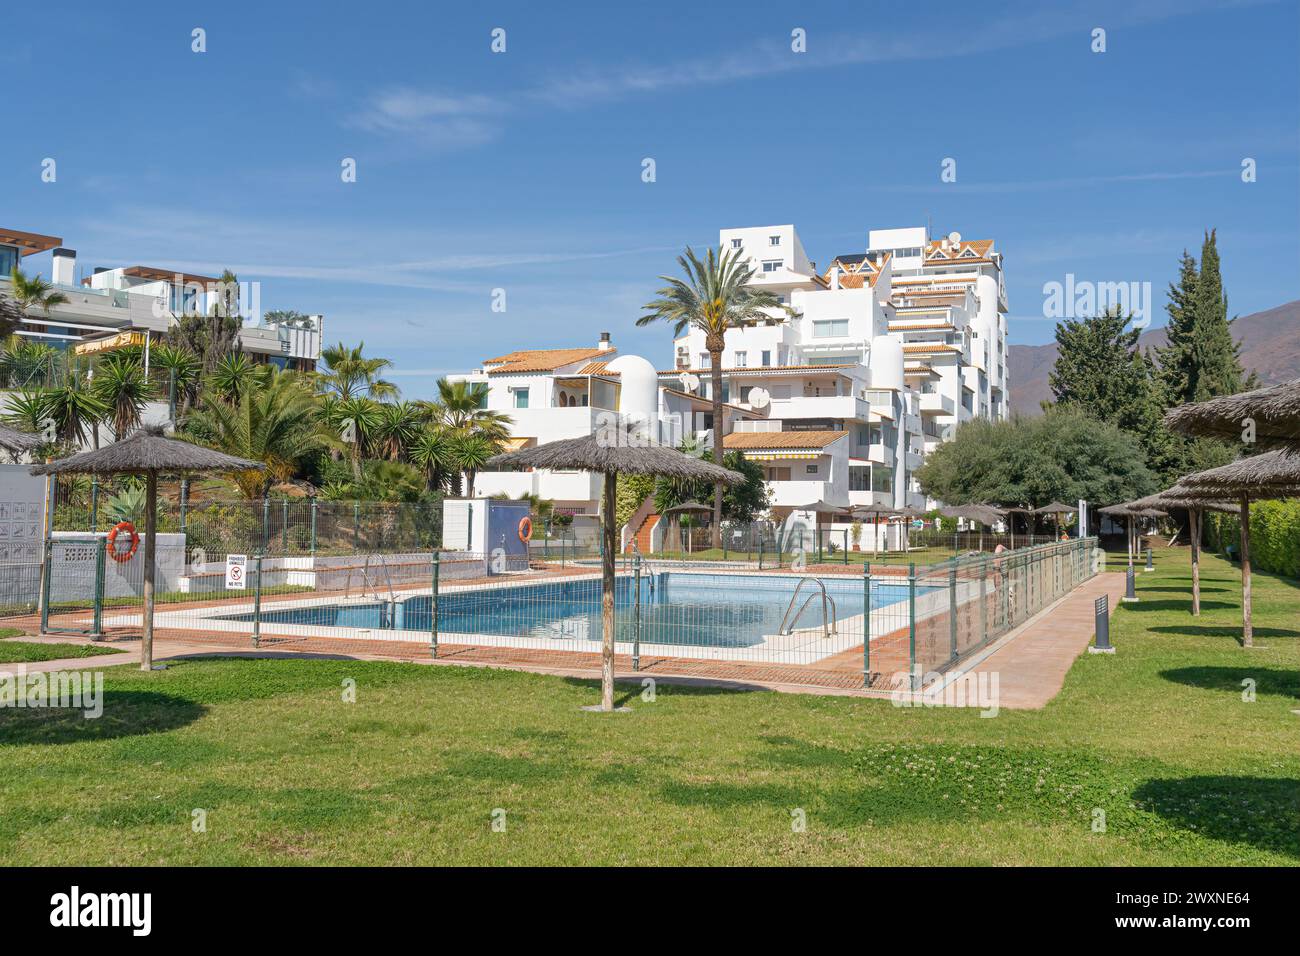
690	383
759	397
954	237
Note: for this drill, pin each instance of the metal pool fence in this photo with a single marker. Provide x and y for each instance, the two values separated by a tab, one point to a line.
882	626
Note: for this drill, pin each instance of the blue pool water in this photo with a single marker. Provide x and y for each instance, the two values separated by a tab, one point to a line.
715	610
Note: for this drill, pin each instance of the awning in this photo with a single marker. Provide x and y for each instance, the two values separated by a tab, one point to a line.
111	343
517	443
782	456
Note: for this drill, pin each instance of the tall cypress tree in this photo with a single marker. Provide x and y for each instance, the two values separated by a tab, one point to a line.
1216	355
1176	358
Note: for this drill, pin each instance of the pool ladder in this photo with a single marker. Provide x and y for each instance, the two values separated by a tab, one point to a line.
369	588
830	619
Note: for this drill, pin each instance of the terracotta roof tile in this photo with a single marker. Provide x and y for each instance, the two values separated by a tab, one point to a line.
540	360
763	440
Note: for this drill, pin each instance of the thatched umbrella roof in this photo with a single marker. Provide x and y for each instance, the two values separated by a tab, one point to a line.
1275	410
146	450
1128	509
983	514
589	453
613	458
1273	474
1181	497
17	441
1056	508
687	506
819	507
873	511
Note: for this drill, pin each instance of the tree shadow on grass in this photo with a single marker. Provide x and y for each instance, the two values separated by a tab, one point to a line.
1268	681
1170	605
1263	812
1187	590
126	713
1230	631
626	692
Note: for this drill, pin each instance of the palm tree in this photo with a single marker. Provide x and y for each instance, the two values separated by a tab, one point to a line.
277	423
397	427
715	296
34	293
471	451
462	407
349	374
354	421
181	371
233	376
74	407
25	362
119	383
432	451
28	410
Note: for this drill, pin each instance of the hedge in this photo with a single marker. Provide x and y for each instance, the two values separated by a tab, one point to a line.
1274	536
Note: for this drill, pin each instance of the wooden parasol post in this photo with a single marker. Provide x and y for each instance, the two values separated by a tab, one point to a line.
1194	518
150	539
607	595
1247	633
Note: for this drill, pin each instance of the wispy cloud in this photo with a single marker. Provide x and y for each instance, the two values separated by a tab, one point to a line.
1066	182
438	119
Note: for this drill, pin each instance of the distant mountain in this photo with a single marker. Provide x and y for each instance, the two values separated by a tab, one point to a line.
1270	347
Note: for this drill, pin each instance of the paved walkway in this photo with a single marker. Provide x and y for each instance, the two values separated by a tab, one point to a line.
1031	661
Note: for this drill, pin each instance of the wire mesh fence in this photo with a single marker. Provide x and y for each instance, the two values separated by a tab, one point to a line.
879	625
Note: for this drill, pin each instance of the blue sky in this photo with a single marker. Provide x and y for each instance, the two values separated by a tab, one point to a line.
522	170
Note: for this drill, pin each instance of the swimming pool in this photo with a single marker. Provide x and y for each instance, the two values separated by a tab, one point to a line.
677	610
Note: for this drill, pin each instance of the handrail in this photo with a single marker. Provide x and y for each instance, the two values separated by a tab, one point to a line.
831	618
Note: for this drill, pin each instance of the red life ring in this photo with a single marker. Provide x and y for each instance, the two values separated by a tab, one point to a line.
122	556
525	529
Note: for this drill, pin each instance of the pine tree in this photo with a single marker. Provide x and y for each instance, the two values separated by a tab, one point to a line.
1176	361
1101	372
1216	356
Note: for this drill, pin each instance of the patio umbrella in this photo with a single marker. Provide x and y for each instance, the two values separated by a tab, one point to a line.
18	442
1274	412
147	452
1274	474
1056	509
689	507
611	458
875	513
1010	510
907	513
1129	510
981	514
1179	497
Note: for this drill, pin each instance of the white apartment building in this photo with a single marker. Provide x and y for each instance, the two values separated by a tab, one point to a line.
890	349
139	299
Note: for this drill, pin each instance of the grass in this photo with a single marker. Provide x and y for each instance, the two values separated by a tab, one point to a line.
13	652
1158	737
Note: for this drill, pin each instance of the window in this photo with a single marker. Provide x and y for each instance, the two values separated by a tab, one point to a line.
8	260
765	357
810	469
881	480
830	328
735	243
771	265
778	474
773	240
742	358
521	398
706	360
864	434
859	477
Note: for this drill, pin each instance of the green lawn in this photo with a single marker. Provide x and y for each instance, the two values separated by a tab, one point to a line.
1157	736
12	652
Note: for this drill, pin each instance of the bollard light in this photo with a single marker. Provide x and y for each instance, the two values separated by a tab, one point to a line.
1101	610
1150	566
1130	595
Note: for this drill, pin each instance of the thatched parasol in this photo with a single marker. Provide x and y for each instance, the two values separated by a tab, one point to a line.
1131	510
875	513
1274	474
1056	509
611	458
688	507
147	452
1178	497
19	442
983	515
1273	410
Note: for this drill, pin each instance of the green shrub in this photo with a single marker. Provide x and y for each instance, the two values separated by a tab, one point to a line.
1274	536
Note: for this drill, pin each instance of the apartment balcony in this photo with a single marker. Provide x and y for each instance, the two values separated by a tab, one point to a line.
847	407
109	309
787	494
914	461
879	454
864	499
936	403
911	423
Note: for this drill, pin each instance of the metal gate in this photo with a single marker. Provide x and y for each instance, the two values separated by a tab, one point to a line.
72	586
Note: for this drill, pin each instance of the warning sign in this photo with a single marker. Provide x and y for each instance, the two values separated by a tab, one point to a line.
236	571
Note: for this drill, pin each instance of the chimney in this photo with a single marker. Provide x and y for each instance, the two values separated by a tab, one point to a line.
604	343
64	271
835	277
